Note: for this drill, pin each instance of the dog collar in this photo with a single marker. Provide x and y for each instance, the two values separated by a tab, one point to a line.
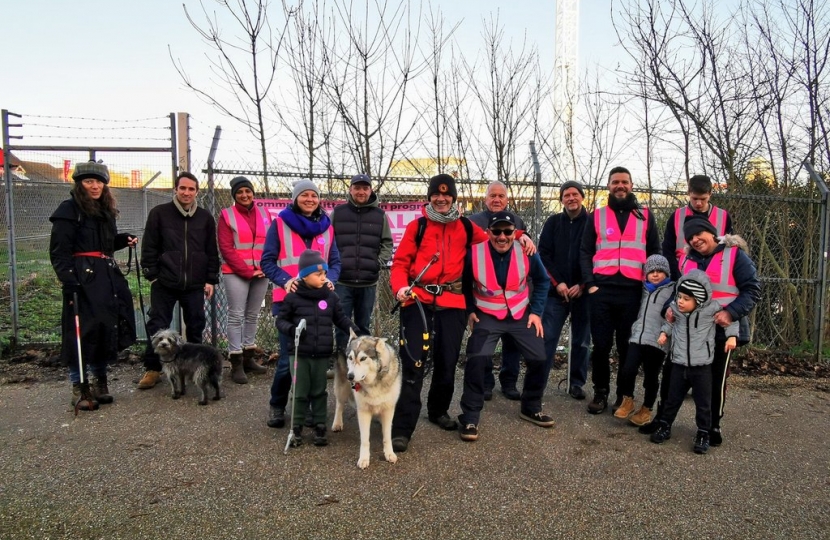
356	387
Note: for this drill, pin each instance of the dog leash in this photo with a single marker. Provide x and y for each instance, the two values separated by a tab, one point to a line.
426	336
133	252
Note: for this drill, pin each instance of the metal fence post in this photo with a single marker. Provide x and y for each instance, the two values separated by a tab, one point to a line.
211	200
7	175
824	249
537	180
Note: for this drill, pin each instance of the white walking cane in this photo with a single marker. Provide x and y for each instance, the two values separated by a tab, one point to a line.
297	333
570	350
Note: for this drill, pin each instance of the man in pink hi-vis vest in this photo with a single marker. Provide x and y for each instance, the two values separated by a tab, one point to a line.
618	239
700	193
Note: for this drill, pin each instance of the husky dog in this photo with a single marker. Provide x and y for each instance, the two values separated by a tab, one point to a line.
369	375
179	360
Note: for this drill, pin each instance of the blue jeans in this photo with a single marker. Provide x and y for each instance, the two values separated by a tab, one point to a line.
282	375
358	304
556	313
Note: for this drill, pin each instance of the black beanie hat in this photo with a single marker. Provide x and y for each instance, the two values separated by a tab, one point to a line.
695	225
442	183
572	184
240	182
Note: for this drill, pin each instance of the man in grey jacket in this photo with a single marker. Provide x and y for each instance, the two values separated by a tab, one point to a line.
364	239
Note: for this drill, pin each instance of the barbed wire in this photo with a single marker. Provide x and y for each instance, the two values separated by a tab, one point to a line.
107	120
83	128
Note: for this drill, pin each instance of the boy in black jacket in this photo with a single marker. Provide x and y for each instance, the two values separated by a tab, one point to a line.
316	302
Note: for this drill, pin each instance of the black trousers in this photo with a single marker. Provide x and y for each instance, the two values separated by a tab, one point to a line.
699	378
651	359
162	301
720	372
480	347
449	330
613	310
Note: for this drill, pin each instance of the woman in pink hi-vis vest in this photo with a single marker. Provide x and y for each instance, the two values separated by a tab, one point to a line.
241	233
303	225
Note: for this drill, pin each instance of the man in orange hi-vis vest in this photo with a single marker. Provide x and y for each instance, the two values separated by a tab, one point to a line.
618	239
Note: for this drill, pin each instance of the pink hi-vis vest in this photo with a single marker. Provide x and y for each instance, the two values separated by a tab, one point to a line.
292	246
724	290
248	244
489	297
717	217
620	252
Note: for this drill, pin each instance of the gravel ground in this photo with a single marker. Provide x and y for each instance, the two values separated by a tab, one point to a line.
150	467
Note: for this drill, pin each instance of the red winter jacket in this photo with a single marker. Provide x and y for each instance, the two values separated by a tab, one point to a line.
449	240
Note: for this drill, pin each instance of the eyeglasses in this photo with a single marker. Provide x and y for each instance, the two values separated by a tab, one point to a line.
505	232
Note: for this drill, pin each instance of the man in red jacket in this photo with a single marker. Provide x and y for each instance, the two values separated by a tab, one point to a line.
439	291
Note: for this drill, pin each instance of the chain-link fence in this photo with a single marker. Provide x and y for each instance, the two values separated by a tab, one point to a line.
785	232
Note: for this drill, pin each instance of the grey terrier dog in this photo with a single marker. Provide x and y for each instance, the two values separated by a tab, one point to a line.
181	360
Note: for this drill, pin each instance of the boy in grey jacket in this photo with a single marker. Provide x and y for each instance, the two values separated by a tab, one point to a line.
693	342
643	348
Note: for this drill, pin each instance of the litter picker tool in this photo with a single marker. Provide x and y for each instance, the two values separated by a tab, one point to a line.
417	280
297	333
84	399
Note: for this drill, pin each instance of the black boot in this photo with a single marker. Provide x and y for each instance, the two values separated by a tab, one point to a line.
599	403
101	391
297	439
82	398
320	435
276	418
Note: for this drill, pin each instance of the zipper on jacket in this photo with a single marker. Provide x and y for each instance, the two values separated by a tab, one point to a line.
184	262
688	341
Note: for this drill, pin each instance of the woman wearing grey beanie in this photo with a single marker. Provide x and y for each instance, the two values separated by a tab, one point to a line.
303	225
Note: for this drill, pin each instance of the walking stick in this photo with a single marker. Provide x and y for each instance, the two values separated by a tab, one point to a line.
297	333
84	397
570	350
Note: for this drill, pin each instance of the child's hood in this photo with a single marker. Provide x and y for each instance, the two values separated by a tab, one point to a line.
694	280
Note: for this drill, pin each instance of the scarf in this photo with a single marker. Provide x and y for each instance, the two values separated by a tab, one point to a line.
306	227
438	217
650	287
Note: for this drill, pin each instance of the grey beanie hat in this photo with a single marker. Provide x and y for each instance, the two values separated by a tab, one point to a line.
303	185
571	184
240	182
91	169
311	261
656	262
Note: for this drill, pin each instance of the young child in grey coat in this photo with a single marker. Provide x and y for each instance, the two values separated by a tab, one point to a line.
693	341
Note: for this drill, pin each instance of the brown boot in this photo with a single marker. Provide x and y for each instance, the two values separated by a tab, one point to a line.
249	364
149	379
626	408
237	371
82	398
101	392
641	417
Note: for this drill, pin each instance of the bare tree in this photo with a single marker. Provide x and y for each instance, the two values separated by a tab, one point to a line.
244	65
508	98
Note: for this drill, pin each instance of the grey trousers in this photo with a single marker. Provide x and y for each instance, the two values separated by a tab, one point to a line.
244	305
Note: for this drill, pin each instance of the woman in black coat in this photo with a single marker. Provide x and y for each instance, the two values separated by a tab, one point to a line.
81	247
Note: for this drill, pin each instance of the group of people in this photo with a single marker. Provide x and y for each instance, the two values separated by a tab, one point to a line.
603	270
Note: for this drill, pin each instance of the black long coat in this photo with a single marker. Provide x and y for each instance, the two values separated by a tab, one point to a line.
105	304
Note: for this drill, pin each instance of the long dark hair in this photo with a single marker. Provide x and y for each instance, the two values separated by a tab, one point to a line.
104	206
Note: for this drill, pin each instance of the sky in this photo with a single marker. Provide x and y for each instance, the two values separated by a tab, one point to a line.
109	59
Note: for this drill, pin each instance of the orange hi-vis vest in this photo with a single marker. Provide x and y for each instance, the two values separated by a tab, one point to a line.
720	268
489	297
618	251
248	244
717	217
292	246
